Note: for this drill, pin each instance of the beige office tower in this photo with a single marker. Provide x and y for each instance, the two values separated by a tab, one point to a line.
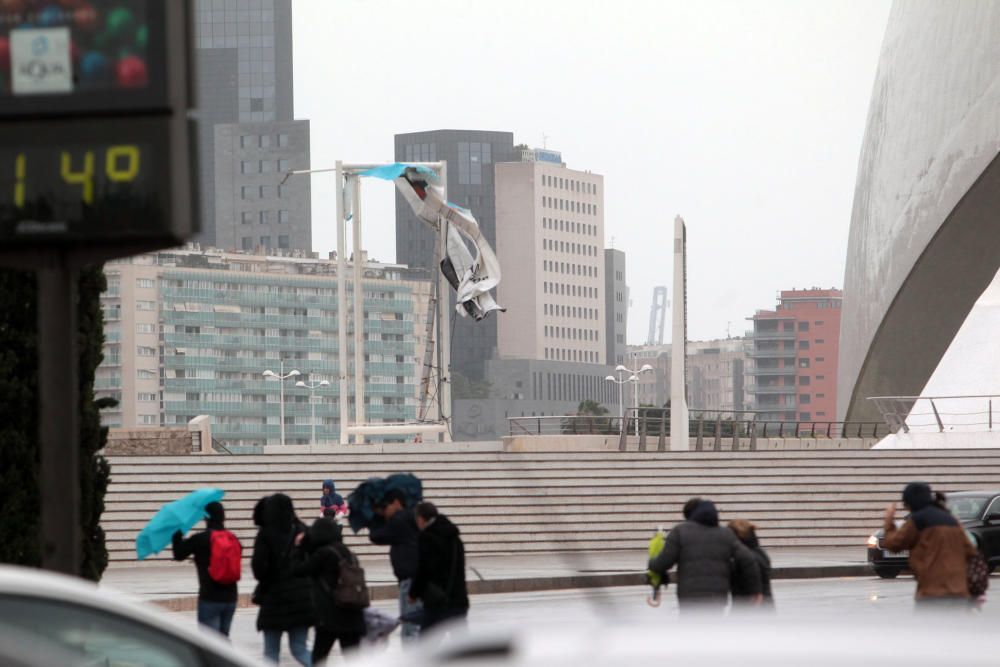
550	242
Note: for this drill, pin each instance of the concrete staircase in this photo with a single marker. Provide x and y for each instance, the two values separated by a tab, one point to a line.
564	502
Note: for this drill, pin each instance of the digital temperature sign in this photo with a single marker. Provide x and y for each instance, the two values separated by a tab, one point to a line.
105	183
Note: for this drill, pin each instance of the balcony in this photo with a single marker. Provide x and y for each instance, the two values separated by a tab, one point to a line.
779	390
787	370
773	335
772	354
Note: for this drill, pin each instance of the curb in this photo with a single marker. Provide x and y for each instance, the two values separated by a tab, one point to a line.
536	584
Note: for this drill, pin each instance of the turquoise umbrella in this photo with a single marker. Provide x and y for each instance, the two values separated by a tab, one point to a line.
179	515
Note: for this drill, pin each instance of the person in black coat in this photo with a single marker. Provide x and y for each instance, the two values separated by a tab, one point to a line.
440	578
321	552
396	527
285	599
705	555
747	534
216	602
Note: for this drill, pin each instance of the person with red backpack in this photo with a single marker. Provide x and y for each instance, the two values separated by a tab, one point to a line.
218	559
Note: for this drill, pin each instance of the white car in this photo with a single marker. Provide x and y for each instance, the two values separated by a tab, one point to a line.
50	619
737	640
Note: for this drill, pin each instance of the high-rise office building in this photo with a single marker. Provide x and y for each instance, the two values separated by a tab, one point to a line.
471	156
189	332
615	305
795	352
247	135
550	241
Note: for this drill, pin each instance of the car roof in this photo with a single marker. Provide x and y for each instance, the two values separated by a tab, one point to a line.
39	584
972	494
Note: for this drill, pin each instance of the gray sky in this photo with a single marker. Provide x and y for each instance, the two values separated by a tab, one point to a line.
744	117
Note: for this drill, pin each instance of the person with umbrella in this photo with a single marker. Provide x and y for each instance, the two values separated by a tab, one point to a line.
285	599
217	558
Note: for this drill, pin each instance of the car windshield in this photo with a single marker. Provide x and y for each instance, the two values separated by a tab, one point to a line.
968	507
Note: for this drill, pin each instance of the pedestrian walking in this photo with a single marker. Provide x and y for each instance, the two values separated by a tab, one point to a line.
939	548
218	561
746	532
331	500
333	569
705	555
285	599
440	580
396	526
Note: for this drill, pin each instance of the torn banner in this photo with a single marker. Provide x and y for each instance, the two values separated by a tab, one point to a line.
472	277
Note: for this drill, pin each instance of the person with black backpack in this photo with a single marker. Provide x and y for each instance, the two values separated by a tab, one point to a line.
285	599
217	558
340	594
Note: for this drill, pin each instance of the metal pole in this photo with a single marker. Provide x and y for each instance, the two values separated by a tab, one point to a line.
281	399
444	310
312	419
342	302
58	408
621	407
635	388
359	312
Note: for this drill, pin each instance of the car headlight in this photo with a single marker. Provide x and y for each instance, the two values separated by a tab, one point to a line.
873	542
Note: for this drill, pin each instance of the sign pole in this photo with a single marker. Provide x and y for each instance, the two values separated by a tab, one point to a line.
58	417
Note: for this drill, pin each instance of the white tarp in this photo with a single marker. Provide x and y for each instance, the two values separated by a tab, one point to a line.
471	275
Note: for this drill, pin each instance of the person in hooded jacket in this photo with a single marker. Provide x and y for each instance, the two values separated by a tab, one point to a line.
321	552
939	548
440	579
285	599
747	534
396	526
216	602
331	500
705	554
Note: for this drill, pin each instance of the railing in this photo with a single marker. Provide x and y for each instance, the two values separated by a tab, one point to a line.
220	447
703	425
938	413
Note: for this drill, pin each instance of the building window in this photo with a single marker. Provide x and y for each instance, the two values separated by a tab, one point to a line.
249	167
247	243
804	416
245	141
148	419
248	192
143	351
284	165
265	241
267	192
803	326
282	191
804	380
803	345
146	397
144	374
805	399
144	283
145	328
820	360
265	217
256	104
820	341
804	363
265	140
247	217
145	305
283	140
284	217
820	377
266	166
283	241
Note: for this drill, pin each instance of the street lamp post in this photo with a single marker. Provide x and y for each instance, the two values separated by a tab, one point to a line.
621	400
636	372
281	377
312	386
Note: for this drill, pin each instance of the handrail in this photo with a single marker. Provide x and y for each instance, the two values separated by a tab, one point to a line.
221	447
900	412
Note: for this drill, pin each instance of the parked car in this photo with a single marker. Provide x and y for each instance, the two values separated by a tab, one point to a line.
60	620
979	512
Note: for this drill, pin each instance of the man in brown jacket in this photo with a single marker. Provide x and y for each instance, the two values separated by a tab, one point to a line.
939	547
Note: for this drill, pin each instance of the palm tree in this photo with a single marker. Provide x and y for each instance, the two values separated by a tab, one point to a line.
590	410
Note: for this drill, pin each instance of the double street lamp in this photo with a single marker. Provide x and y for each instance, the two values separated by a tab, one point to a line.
621	402
634	374
281	376
312	386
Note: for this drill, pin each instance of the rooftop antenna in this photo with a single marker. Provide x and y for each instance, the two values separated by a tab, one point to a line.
545	140
612	242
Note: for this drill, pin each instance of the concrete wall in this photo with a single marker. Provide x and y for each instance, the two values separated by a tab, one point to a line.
924	242
149	442
586	443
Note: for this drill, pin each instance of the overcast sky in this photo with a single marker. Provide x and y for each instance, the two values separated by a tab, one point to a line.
746	118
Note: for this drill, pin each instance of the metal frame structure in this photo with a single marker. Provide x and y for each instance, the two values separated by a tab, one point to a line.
349	176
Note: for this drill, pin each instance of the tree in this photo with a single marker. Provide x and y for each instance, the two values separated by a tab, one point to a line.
590	407
587	419
20	497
